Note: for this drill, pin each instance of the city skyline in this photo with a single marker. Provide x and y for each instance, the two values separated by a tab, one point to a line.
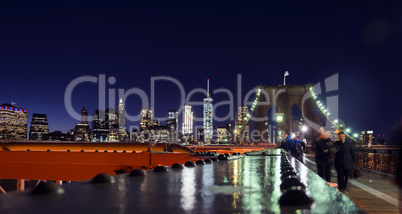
45	47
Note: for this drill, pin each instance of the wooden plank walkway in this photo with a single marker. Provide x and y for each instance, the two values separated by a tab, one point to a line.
374	192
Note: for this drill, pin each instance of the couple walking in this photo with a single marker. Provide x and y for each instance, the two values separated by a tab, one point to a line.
339	153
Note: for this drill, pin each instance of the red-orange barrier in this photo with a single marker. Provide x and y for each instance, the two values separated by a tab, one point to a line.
75	166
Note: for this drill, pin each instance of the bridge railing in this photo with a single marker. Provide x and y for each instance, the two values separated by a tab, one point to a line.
379	158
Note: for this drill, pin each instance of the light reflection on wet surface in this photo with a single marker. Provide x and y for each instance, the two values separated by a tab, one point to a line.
246	185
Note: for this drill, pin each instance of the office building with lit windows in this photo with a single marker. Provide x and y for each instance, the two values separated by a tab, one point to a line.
13	122
241	125
200	135
172	124
223	136
174	114
39	126
122	122
208	116
113	122
100	127
146	117
82	131
187	125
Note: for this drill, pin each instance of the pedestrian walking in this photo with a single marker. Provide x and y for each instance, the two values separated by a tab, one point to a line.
345	159
297	149
324	156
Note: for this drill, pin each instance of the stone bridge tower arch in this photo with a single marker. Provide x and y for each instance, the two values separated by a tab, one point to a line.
283	97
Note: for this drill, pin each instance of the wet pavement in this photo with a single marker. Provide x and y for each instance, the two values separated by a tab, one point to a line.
250	184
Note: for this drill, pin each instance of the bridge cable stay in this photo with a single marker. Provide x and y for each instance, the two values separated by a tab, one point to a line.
244	124
327	115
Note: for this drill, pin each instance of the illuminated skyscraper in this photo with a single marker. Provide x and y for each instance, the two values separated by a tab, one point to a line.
100	126
81	131
13	122
84	116
187	121
241	129
208	116
222	136
173	114
112	118
39	126
172	124
146	117
122	122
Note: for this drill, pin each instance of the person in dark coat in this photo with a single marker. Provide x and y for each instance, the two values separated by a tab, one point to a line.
297	149
324	156
344	160
286	144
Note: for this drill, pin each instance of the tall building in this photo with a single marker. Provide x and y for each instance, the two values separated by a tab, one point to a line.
84	116
230	133
187	125
100	127
200	135
81	131
241	126
146	117
208	116
156	122
13	122
112	118
122	122
39	126
174	114
172	124
222	135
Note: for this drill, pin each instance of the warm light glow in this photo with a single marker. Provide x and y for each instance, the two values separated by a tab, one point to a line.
304	128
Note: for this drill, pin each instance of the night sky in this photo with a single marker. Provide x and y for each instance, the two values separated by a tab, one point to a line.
43	47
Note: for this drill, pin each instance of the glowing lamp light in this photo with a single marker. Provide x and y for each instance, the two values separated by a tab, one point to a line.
304	128
293	135
336	121
348	130
279	117
355	135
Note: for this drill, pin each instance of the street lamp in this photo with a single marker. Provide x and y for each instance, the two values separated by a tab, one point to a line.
355	135
348	130
279	117
304	128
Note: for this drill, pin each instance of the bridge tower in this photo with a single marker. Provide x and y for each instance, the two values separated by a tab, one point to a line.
284	97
